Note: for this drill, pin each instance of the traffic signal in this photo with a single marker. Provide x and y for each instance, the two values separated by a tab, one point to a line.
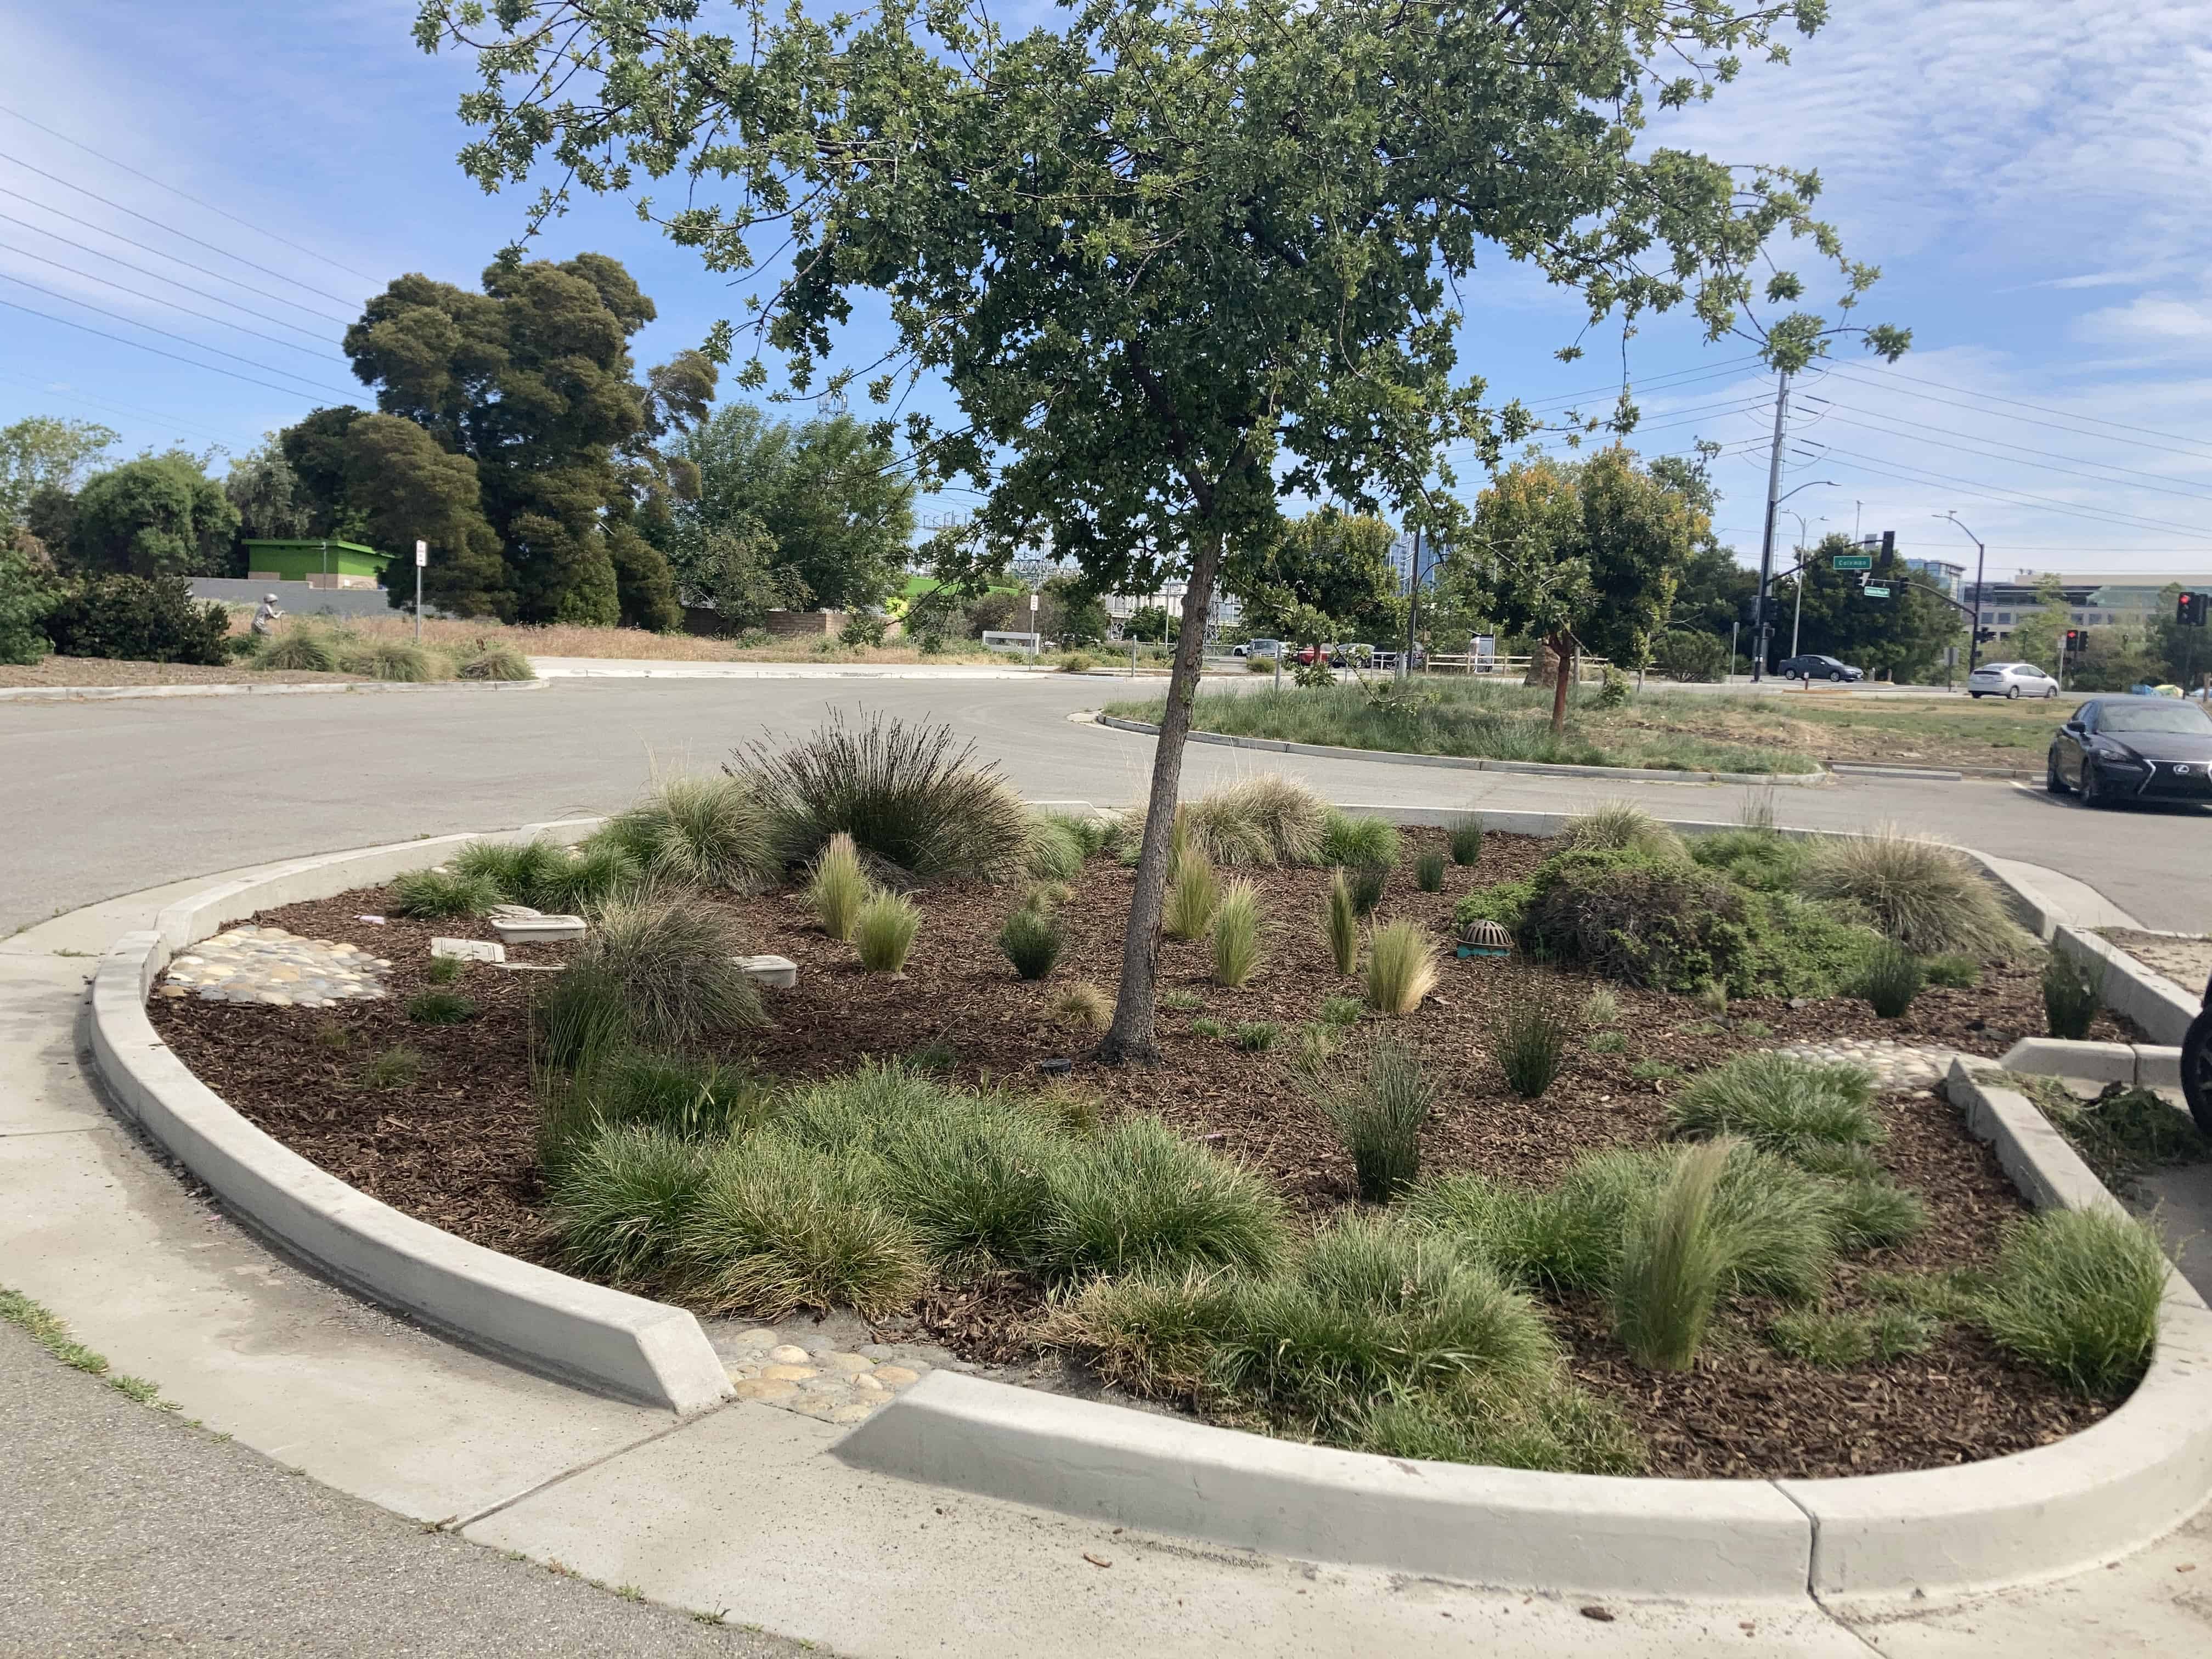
1985	636
1889	545
2075	638
2189	610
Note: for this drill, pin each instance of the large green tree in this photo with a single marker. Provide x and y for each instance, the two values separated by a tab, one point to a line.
266	492
531	381
827	492
1903	636
160	515
1328	564
1173	260
42	451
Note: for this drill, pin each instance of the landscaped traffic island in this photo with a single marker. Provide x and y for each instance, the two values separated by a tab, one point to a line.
1656	1178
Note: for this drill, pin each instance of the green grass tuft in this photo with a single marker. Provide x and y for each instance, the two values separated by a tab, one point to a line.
2071	997
1890	981
1467	841
440	1008
884	931
1358	844
1341	1010
2075	1293
1402	967
396	1067
1837	1341
672	962
1429	871
435	894
1780	1102
1141	1197
1031	940
1256	1037
1927	897
1194	891
1529	1038
1379	1115
839	886
1675	1255
1239	935
1340	924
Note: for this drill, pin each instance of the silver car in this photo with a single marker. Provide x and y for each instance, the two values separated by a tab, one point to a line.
2011	679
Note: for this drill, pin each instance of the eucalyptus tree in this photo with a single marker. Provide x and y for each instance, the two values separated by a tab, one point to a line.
1174	260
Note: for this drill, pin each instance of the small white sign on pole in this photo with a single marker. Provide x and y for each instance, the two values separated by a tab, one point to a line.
422	558
422	554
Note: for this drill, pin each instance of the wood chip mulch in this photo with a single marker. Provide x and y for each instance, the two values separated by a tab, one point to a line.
456	1148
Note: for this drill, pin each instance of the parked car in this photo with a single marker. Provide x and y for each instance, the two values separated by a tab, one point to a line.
1814	666
2011	679
1309	654
1259	648
2132	748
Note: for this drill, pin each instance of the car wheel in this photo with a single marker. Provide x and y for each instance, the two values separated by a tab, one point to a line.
2012	694
2051	693
1835	674
2093	785
2051	781
1976	696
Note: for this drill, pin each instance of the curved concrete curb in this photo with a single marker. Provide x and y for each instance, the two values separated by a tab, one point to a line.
116	693
2159	1007
584	1333
1542	769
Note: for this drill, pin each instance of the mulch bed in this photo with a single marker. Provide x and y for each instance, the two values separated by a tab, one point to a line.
456	1148
102	671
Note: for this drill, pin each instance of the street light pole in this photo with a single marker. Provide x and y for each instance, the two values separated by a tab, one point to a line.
1981	560
1766	548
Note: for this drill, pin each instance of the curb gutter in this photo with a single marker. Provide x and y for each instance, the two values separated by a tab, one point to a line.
2155	1003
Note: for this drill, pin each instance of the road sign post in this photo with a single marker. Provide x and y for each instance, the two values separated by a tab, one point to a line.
422	558
1033	632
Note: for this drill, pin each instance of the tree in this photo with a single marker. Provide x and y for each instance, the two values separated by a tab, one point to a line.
1904	635
1151	621
266	492
531	380
160	515
1174	262
28	592
402	488
828	492
735	572
2036	637
41	452
1330	565
315	451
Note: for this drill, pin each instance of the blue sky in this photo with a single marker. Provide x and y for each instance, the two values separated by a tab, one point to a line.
2028	173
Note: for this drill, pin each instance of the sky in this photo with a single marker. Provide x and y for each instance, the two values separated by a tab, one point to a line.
2026	173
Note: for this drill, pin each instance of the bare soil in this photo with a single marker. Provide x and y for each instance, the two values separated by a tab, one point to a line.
101	671
456	1147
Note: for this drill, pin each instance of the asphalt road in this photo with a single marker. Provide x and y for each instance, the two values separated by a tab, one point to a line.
107	798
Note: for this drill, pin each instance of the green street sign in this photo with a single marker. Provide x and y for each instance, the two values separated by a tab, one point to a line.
1850	562
1874	591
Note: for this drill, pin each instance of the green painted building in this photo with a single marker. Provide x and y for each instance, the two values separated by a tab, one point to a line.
325	563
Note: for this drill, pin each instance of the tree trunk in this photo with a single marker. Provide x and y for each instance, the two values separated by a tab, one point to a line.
1560	643
1131	1036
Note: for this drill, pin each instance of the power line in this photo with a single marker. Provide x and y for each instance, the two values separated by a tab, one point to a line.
159	253
1998	414
2009	496
212	247
290	392
2095	419
112	258
187	195
2044	467
71	395
220	322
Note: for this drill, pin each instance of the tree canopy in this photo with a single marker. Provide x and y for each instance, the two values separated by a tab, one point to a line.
1327	573
160	515
41	452
1173	260
1903	636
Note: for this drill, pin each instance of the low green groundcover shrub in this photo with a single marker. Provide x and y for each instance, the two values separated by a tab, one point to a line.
138	619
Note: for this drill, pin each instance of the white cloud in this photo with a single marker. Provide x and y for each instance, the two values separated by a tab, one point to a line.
2150	319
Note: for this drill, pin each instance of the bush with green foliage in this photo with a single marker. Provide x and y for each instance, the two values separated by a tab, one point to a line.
884	931
912	795
1681	655
2077	1293
1402	967
137	619
711	832
2071	997
1758	858
1240	929
1890	981
1648	918
1529	1038
430	894
1031	940
28	592
1929	898
1379	1113
1359	842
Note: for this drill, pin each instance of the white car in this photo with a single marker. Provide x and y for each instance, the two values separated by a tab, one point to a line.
1259	648
2011	679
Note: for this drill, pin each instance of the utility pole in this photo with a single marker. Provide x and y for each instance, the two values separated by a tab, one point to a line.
1981	561
1766	536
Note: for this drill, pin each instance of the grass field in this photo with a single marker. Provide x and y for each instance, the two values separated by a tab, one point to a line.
1694	731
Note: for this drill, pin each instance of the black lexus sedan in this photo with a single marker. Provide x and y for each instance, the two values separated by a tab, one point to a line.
2118	749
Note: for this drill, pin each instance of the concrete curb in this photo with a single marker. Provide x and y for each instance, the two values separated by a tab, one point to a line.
117	693
1541	769
2158	1005
599	1339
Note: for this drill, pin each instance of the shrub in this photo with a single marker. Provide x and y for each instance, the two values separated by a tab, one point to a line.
1368	883
1055	851
862	628
434	893
137	619
1379	1115
1837	1342
1151	1334
302	648
1141	1197
1639	916
1529	1037
776	1226
2070	997
1402	967
1613	691
1467	841
1340	924
1082	1004
487	660
1259	665
1031	941
2075	1293
839	886
398	660
883	932
395	1067
708	832
1341	1010
1926	897
1286	816
1620	826
1680	655
1239	935
595	875
670	961
1429	873
1953	973
617	1208
1672	1258
1796	947
911	795
1890	981
1601	1008
1359	844
28	592
1194	891
1756	859
1780	1102
1256	1037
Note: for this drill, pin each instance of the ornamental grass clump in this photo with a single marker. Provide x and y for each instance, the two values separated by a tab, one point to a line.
1151	1334
1619	827
2075	1293
1378	1113
618	1207
1367	883
518	868
1890	981
839	886
911	795
1256	1037
1674	1257
697	1099
1402	967
594	875
883	931
1780	1102
1194	891
1339	924
1429	871
1239	935
1837	1341
710	832
1529	1037
440	1008
2071	997
301	648
488	662
1031	940
1929	898
431	894
1141	1197
1358	844
1264	820
1057	850
672	962
1467	841
1083	1006
398	660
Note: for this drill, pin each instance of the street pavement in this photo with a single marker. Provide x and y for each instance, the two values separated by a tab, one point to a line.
108	798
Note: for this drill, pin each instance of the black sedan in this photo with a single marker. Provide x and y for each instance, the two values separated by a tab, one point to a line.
2119	749
1816	667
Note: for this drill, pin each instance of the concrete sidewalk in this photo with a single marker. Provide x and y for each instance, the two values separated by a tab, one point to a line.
646	668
